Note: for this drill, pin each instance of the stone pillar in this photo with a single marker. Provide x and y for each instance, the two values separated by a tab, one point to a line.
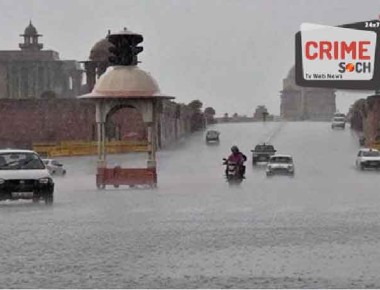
101	128
90	68
151	163
35	82
19	82
10	81
48	77
30	87
101	67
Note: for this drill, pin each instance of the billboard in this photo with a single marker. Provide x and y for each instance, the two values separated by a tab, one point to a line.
342	57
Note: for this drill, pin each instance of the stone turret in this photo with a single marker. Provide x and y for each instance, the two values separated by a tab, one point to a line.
31	39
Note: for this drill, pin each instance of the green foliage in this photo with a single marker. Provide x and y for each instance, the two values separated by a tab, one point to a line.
195	105
210	111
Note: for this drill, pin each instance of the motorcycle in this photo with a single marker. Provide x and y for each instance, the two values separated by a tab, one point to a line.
234	172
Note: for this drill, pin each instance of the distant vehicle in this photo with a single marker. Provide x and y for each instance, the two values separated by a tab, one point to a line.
212	136
262	153
280	164
338	121
54	167
368	158
23	175
234	172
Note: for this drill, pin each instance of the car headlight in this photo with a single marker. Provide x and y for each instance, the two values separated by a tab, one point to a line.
45	180
2	181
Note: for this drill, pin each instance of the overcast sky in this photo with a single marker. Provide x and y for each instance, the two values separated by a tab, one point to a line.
232	55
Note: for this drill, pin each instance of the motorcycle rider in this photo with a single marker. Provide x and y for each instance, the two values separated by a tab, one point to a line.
239	158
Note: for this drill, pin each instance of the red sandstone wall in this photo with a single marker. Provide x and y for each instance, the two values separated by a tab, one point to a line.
26	121
23	122
131	124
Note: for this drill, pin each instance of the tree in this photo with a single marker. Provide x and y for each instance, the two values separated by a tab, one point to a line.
195	105
226	117
210	111
209	114
197	118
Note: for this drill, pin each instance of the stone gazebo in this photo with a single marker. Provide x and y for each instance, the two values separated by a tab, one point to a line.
122	86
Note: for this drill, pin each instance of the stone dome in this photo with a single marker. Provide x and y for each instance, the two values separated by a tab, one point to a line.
124	82
30	30
99	52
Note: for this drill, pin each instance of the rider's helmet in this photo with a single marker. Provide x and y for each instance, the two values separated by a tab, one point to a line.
234	149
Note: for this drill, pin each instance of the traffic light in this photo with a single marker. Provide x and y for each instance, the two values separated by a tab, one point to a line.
124	50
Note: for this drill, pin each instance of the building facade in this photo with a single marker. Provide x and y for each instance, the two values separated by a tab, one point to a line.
32	73
299	103
38	100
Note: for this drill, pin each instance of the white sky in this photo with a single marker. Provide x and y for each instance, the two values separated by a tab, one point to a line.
232	55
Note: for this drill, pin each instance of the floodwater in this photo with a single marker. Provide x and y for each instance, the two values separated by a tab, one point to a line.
318	229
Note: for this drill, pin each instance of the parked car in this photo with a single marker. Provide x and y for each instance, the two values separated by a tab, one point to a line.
338	121
54	167
280	164
262	153
212	136
23	175
368	158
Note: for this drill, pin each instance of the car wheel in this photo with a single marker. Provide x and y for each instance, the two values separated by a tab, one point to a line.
49	199
64	172
362	167
269	174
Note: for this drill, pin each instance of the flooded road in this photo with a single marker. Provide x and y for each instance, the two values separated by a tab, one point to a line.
318	229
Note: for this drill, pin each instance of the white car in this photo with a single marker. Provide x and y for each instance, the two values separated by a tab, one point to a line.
54	167
368	158
23	175
280	164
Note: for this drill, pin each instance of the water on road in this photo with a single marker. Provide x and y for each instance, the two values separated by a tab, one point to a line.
318	229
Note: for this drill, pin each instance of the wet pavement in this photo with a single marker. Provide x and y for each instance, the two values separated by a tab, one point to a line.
318	229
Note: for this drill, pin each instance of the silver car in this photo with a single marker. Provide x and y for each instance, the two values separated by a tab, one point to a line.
54	167
280	164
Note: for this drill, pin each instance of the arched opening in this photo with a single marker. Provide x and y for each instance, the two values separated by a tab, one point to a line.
48	95
125	123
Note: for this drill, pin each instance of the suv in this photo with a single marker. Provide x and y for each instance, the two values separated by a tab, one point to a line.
262	153
368	158
339	120
23	175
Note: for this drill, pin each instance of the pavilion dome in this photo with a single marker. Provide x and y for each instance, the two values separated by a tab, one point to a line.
30	30
124	82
